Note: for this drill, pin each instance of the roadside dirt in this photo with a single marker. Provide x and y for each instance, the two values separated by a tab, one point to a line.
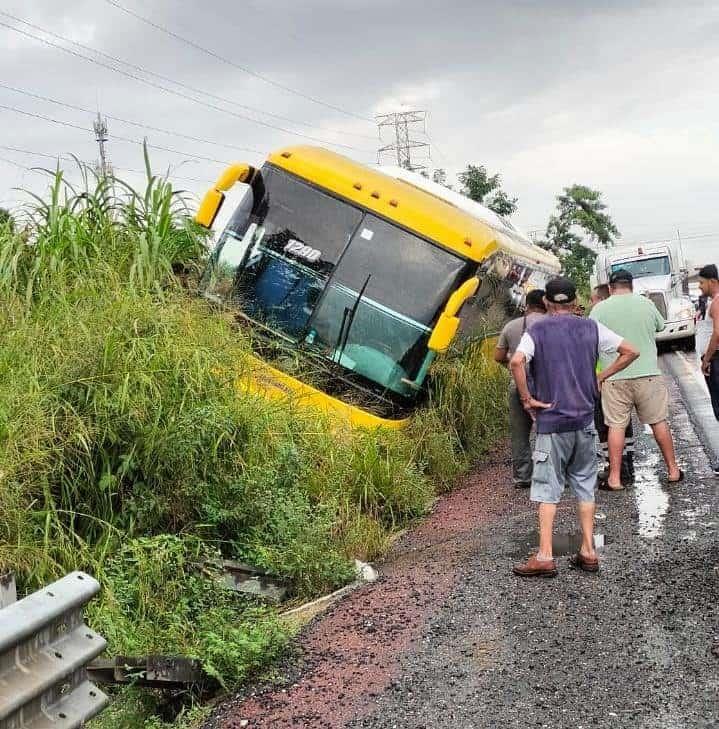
351	653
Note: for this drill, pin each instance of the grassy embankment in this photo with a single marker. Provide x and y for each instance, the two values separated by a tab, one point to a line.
127	452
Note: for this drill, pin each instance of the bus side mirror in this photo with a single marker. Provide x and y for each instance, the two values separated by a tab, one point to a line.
212	202
443	333
447	325
209	207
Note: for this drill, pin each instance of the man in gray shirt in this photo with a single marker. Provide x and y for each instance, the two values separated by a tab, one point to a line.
520	421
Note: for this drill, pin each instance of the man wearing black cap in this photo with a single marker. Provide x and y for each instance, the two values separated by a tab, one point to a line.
562	350
708	345
640	385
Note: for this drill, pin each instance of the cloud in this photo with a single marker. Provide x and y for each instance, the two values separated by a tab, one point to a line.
617	95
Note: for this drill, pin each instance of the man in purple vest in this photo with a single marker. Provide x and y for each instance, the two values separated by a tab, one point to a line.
562	351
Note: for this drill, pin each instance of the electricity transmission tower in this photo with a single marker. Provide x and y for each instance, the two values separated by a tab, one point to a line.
403	144
104	168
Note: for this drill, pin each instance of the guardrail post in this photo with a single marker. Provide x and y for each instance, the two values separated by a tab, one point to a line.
8	593
44	649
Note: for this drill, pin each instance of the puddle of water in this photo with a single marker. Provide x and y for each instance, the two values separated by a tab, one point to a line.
652	501
563	544
696	517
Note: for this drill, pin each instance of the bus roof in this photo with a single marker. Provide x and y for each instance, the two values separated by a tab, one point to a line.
419	210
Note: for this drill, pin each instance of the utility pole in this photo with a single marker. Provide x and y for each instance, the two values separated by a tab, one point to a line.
403	144
104	168
683	266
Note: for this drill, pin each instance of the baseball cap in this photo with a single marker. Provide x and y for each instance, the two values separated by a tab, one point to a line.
621	276
709	271
560	291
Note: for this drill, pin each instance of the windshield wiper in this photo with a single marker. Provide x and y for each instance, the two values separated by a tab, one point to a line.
348	318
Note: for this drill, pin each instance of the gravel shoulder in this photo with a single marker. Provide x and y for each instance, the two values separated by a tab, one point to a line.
630	647
450	638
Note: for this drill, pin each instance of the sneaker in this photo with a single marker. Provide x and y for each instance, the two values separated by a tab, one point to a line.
715	469
522	484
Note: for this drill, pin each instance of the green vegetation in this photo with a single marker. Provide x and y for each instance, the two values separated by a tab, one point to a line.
480	186
129	452
581	209
579	226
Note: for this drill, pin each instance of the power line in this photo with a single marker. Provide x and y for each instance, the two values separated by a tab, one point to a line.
47	155
168	79
16	164
152	84
57	157
433	145
204	92
169	132
35	115
684	237
169	175
229	62
20	150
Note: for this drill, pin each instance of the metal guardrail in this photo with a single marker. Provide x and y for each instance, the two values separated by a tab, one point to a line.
44	648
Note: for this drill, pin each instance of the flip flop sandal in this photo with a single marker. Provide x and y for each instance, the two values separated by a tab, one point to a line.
677	480
604	486
578	562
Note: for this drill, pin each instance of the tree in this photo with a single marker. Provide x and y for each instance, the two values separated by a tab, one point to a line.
480	186
579	210
440	177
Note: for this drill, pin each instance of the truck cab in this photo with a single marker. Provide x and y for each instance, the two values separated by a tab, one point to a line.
659	274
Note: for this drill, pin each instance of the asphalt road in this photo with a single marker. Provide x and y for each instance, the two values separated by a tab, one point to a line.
628	647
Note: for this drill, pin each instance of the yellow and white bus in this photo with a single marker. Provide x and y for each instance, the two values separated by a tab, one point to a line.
361	275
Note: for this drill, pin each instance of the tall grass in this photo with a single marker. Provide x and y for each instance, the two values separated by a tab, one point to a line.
126	448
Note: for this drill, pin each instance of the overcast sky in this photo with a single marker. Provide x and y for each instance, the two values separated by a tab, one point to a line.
620	96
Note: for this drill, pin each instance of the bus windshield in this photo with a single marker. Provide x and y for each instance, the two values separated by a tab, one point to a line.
658	266
335	280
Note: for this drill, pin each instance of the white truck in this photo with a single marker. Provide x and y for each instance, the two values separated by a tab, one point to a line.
661	274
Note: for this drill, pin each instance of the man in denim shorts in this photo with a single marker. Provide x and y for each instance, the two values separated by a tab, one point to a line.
562	351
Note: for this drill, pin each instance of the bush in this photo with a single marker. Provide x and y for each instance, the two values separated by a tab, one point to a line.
127	448
466	413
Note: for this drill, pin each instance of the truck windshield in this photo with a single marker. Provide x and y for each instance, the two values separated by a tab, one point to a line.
337	281
658	266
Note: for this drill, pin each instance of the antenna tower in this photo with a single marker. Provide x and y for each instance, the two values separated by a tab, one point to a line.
104	168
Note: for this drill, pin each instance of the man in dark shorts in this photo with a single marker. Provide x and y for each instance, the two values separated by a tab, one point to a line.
520	422
708	346
562	351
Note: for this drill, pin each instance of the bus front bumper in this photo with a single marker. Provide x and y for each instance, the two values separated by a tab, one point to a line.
265	380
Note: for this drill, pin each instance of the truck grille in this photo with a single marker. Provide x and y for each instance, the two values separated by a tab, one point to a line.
657	298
